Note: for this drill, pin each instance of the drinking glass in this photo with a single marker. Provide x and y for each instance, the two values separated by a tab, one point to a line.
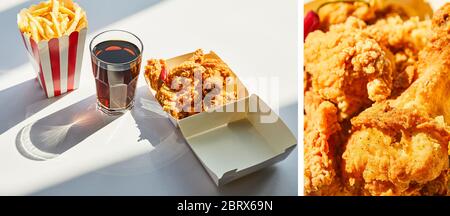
116	59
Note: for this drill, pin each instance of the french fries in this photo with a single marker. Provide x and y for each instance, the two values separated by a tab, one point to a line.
51	19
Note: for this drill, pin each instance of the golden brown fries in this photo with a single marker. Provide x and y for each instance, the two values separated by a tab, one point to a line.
51	19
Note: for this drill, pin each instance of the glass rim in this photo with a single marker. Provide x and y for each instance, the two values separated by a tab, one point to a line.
91	50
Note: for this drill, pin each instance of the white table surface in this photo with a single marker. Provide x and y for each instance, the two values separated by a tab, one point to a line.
141	153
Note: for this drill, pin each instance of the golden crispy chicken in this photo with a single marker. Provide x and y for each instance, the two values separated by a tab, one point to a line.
345	71
336	69
337	13
400	146
348	67
404	38
196	85
389	25
321	126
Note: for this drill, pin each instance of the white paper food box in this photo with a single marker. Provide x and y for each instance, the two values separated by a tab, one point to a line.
233	144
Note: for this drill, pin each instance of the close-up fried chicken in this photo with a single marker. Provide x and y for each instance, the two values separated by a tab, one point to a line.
400	147
404	38
346	71
321	127
370	11
358	64
348	67
337	13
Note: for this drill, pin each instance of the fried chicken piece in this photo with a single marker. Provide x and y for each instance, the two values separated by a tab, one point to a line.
399	147
337	13
321	127
404	38
348	67
391	27
196	85
153	71
346	71
395	33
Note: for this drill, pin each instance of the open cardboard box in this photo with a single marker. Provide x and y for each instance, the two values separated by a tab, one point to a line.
236	139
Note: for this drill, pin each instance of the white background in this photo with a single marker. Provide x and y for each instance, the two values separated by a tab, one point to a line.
141	153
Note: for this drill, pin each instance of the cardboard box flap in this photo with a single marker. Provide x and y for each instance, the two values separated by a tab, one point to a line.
234	174
238	138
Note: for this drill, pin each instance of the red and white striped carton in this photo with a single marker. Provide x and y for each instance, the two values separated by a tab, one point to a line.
57	61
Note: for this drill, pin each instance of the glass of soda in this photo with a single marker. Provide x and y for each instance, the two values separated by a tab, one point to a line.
116	59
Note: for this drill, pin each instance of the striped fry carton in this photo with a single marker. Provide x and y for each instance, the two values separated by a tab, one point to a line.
57	61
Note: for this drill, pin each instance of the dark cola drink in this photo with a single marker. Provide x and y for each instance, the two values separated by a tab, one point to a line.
116	65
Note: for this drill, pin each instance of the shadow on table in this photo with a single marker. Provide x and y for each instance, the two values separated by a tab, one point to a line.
54	134
182	175
21	101
171	168
151	120
100	13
